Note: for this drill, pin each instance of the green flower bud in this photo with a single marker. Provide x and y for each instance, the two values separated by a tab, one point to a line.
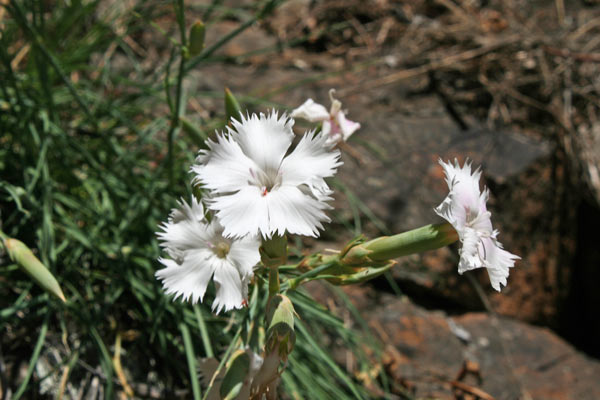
196	42
24	257
232	107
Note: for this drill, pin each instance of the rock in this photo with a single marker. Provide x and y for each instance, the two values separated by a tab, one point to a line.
504	358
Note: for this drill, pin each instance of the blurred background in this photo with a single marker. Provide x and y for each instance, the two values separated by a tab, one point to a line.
102	113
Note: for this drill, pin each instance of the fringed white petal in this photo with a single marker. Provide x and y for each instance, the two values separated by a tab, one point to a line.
224	167
464	190
229	287
244	255
293	211
310	161
265	139
190	279
498	262
185	229
242	213
469	252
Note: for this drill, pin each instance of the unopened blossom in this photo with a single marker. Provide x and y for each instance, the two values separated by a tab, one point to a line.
199	252
334	123
465	208
258	186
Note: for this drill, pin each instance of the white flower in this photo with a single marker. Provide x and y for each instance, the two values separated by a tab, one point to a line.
465	209
257	186
198	252
335	125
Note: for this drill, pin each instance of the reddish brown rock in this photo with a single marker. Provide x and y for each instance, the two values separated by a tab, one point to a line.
436	355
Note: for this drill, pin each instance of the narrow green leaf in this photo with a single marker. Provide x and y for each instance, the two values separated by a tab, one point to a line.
232	345
203	332
320	353
191	360
105	361
34	358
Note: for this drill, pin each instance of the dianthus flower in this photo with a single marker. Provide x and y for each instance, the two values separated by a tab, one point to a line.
199	252
465	208
335	125
258	186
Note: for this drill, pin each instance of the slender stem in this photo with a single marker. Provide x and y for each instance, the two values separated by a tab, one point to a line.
274	254
34	357
293	283
274	285
177	111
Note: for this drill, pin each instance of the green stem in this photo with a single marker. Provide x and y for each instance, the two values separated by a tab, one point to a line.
294	282
274	254
274	285
177	111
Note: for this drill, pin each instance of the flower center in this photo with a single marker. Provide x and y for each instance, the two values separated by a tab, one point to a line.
266	181
222	249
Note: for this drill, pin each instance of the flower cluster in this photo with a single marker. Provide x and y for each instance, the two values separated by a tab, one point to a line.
260	186
257	187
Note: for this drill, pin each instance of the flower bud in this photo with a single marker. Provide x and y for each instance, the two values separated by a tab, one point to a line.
279	344
232	107
196	42
428	237
24	257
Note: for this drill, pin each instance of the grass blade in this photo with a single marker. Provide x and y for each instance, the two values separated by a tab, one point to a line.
191	360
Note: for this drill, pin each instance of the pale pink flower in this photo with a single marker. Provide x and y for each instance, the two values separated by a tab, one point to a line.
465	208
334	123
